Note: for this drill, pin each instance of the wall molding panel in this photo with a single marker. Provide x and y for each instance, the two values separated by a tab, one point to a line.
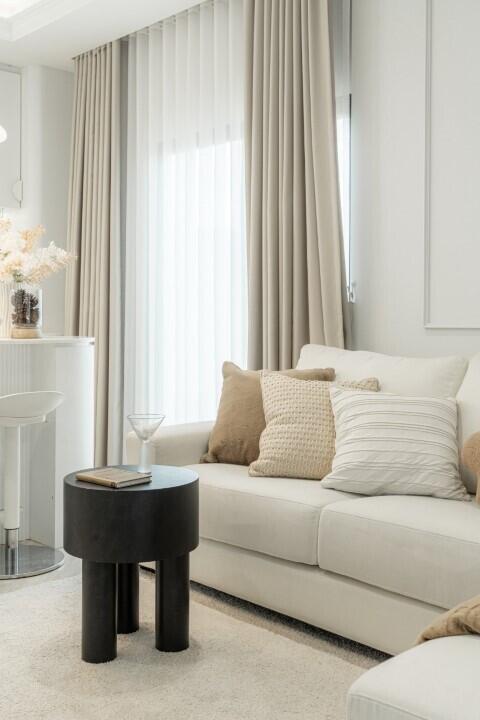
452	167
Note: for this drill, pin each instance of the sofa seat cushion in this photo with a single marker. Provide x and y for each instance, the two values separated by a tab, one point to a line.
420	547
434	681
274	516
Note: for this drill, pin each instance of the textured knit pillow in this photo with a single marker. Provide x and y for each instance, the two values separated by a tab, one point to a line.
393	445
299	440
240	419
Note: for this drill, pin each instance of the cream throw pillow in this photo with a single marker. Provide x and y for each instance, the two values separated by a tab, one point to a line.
394	445
299	438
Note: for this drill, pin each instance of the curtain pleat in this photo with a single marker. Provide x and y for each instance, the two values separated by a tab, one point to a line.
94	283
296	291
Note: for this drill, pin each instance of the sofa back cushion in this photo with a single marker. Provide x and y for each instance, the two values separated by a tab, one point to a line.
450	376
430	377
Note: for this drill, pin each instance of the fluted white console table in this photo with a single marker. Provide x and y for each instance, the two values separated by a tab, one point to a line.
59	446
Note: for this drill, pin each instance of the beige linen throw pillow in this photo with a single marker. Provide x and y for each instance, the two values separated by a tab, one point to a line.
463	619
240	419
299	439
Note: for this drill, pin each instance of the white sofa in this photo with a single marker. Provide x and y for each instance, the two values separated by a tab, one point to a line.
373	569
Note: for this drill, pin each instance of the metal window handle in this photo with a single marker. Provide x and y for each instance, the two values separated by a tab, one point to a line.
351	293
17	190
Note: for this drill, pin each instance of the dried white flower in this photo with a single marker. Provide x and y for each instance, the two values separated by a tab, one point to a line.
21	260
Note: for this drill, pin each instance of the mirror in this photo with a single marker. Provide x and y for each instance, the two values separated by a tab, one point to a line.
10	138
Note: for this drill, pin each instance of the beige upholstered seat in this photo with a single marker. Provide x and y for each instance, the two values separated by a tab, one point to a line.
274	516
419	547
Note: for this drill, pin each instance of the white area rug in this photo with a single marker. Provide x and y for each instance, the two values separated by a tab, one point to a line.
240	666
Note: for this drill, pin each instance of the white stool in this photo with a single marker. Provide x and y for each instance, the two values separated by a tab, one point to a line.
22	559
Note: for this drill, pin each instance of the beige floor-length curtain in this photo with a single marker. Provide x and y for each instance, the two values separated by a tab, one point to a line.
94	282
294	239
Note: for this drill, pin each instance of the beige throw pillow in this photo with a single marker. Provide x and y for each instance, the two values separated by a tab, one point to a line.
240	419
463	619
299	439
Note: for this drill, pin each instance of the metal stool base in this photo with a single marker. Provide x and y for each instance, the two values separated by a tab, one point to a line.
26	560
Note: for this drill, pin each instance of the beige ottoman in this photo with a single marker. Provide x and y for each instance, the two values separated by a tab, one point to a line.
434	681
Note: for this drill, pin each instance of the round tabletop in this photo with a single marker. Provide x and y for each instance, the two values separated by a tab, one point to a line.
140	523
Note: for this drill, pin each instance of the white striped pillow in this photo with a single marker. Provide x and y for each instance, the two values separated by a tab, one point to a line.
392	445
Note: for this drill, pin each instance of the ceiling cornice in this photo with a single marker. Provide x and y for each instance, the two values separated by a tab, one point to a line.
5	29
37	16
53	31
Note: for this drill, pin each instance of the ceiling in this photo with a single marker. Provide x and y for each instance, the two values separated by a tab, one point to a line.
51	32
13	7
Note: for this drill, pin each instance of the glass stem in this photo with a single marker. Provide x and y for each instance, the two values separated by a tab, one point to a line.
144	464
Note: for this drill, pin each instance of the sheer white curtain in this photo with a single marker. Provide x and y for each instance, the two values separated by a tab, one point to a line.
185	236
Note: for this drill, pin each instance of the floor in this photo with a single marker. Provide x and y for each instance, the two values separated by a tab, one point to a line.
72	566
227	604
244	662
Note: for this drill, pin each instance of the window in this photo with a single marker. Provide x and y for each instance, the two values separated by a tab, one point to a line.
340	14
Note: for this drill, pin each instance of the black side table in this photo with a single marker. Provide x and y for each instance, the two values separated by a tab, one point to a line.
112	531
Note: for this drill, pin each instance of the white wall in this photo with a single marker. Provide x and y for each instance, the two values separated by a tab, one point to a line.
389	50
47	101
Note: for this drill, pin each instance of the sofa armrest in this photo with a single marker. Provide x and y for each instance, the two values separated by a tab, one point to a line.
173	444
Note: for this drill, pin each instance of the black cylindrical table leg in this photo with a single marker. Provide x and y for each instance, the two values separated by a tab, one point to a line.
99	612
172	603
127	598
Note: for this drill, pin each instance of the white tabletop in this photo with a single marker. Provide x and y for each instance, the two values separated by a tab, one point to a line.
49	340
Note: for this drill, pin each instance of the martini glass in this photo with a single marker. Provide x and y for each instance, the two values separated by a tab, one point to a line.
144	426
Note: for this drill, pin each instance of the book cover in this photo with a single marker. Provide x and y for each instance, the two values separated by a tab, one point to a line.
114	477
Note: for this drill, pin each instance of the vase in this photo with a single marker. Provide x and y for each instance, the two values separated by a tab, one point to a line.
26	311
